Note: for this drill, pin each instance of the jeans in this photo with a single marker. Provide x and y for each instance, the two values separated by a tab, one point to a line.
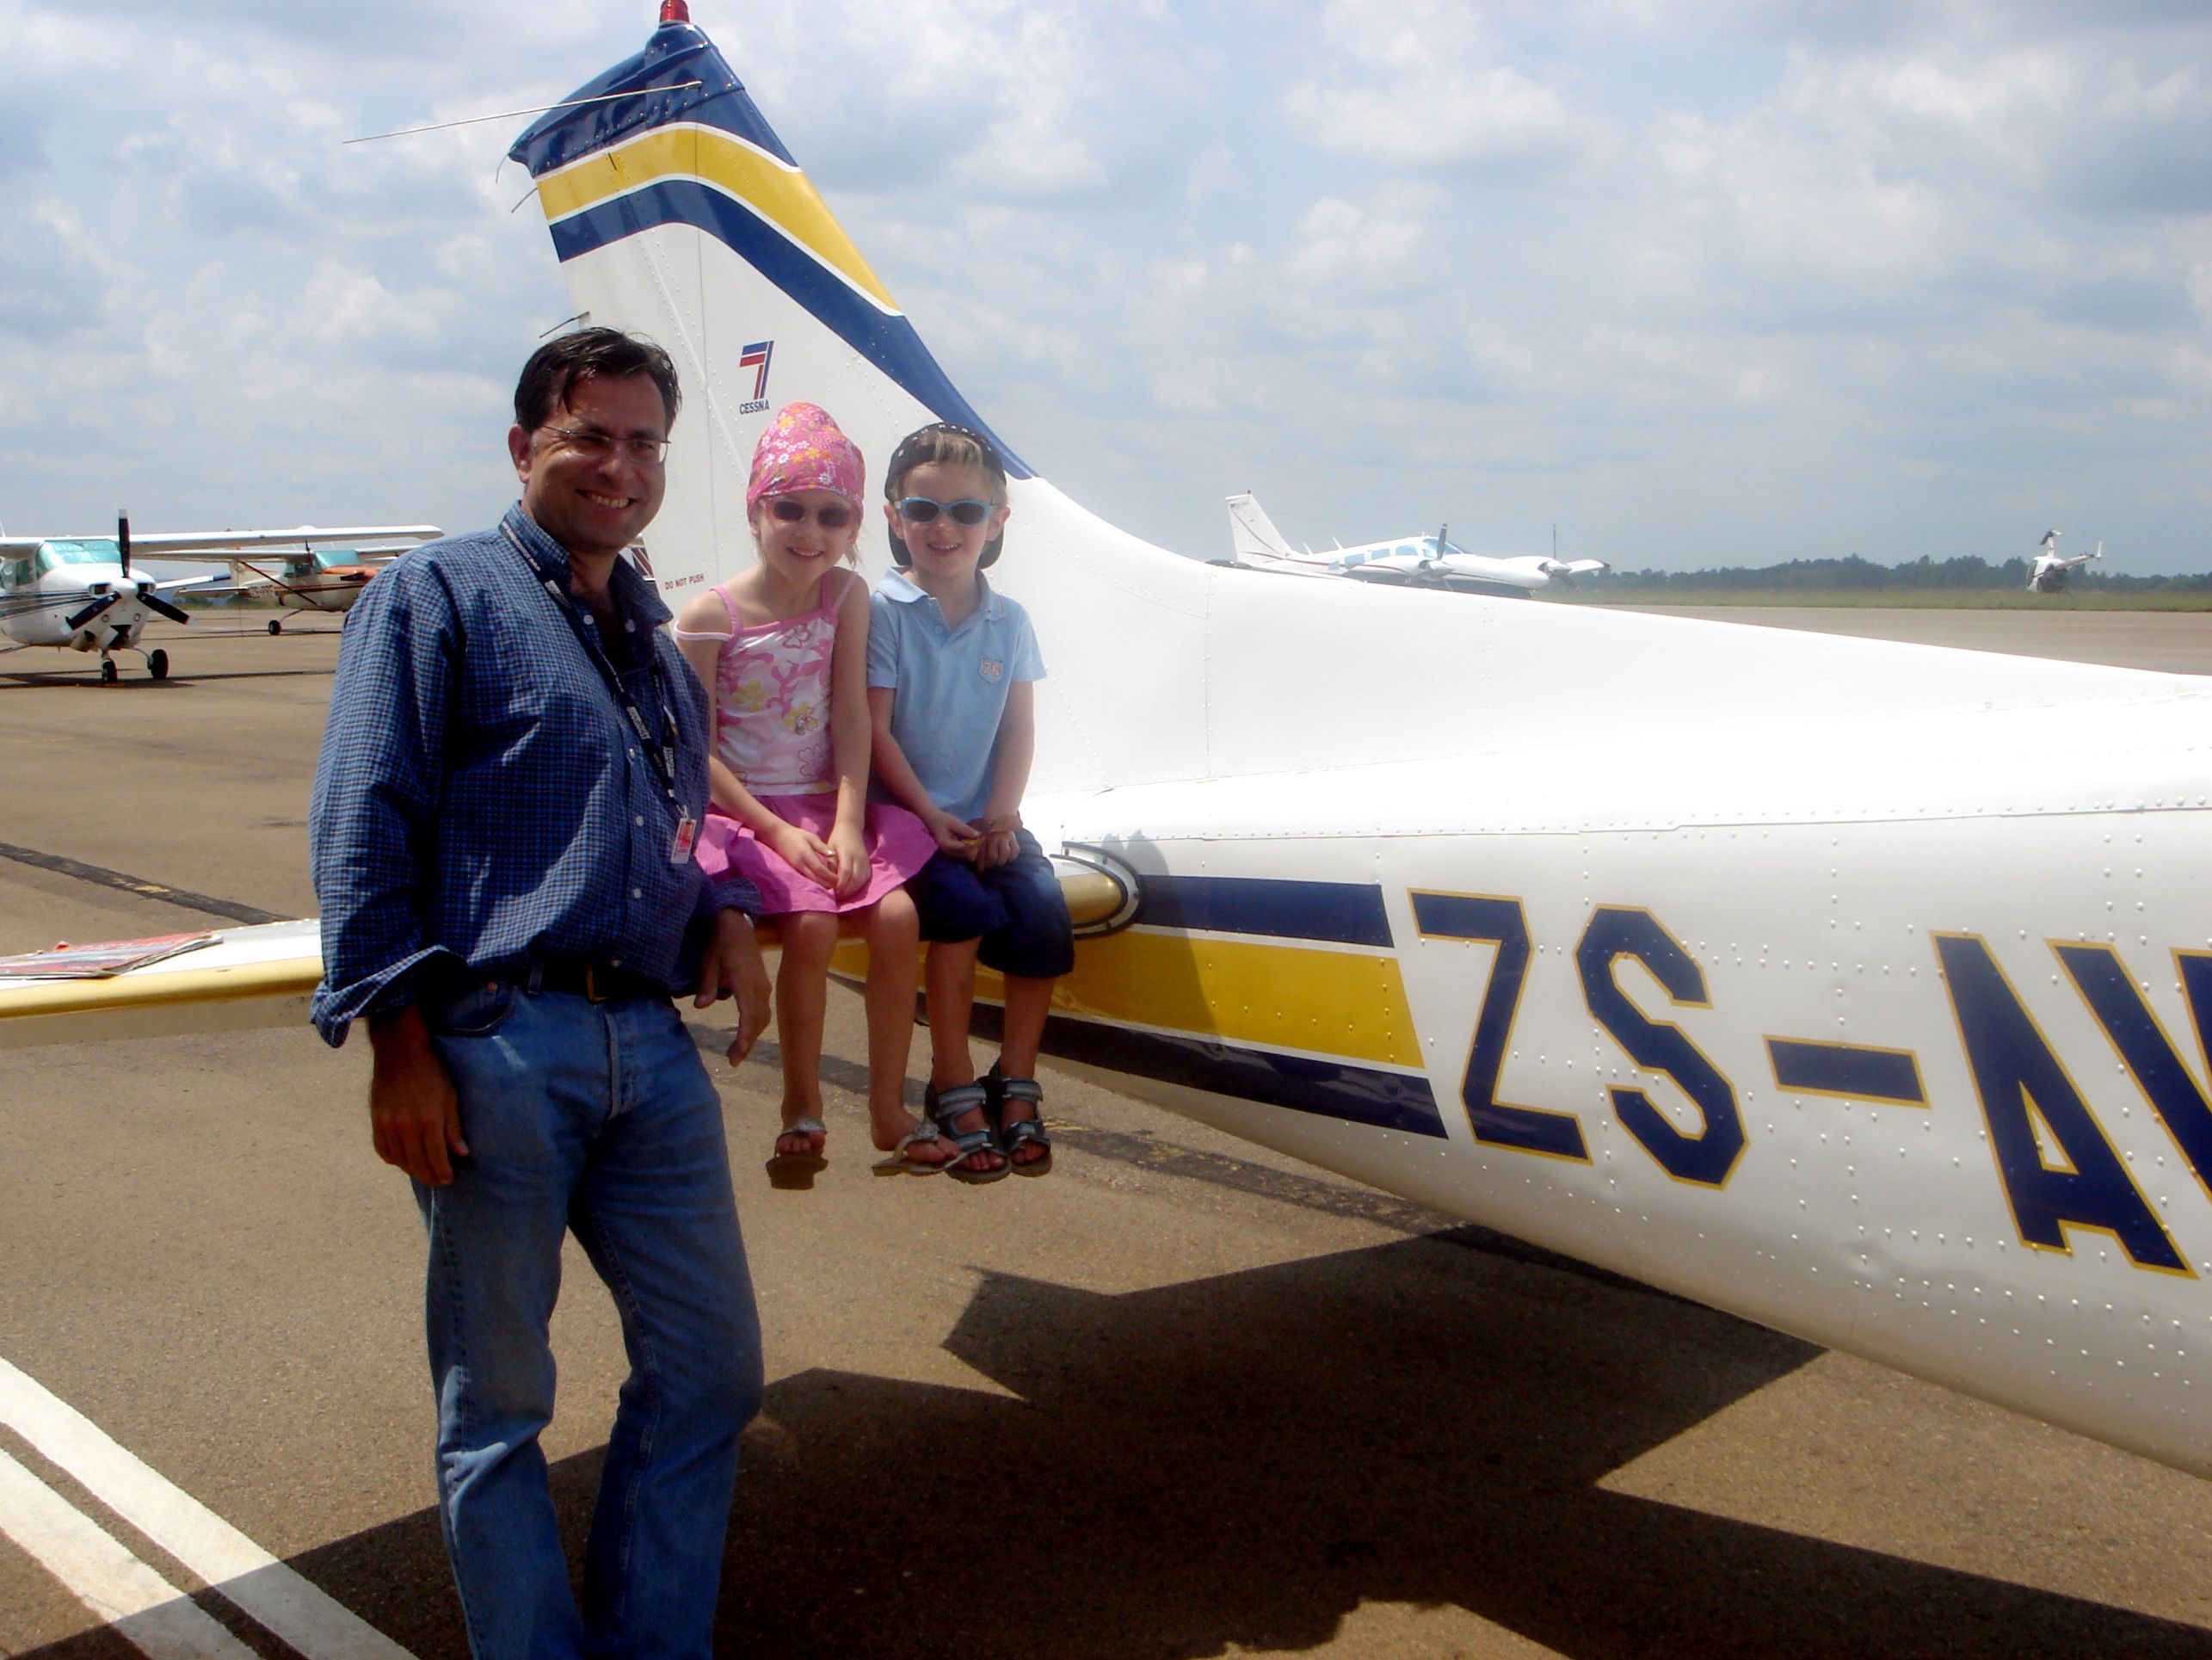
599	1119
1015	909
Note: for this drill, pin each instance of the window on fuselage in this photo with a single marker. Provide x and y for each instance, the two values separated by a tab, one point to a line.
92	550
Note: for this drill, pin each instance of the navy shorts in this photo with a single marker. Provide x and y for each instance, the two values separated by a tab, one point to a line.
1016	910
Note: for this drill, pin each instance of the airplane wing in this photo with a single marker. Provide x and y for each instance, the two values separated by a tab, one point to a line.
222	545
1248	559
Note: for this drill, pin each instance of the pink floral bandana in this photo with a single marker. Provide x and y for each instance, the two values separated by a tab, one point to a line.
802	449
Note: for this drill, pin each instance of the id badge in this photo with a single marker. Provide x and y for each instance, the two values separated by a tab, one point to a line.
686	837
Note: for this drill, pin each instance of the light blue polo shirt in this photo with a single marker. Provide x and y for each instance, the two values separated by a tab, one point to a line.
950	683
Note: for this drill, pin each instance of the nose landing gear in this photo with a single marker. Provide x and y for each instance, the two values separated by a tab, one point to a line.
156	664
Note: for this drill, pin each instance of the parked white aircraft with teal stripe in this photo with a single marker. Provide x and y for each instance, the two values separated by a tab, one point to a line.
1859	989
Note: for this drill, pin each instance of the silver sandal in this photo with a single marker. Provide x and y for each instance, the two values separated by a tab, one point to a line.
900	1164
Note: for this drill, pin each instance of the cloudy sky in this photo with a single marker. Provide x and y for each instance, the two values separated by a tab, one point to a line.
1698	281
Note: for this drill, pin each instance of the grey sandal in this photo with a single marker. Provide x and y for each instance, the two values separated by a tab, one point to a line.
1018	1132
943	1109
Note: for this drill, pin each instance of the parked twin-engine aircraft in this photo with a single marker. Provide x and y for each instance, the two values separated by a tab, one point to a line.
2051	567
79	592
1410	562
1857	988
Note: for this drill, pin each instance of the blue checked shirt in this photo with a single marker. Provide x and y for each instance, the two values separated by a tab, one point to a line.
483	801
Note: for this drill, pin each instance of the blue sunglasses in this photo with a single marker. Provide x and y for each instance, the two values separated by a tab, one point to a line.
920	510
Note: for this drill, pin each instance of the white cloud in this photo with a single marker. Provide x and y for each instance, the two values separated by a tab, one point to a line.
1420	85
1348	253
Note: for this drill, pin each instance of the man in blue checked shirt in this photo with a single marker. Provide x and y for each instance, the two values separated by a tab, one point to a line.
509	789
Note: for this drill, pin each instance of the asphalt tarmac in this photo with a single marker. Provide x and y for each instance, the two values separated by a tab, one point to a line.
1182	1397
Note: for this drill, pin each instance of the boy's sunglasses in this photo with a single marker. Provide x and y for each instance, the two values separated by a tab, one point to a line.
831	515
920	510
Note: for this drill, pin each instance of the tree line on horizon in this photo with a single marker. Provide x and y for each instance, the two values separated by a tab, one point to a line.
1855	573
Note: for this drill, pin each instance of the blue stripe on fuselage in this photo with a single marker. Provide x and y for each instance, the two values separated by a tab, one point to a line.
1333	913
1361	1095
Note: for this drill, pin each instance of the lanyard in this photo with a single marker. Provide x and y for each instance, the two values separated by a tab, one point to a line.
663	751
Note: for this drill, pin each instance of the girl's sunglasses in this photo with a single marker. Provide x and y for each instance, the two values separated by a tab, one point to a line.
832	515
920	510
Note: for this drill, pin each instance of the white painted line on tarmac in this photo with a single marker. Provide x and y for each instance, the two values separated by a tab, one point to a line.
288	1604
158	1619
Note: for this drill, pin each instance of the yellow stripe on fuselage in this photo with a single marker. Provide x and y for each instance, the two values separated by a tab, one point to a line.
1347	1004
781	194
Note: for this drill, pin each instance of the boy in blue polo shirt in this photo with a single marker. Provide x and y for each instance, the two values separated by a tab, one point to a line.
952	668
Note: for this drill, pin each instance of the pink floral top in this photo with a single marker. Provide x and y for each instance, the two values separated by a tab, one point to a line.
771	701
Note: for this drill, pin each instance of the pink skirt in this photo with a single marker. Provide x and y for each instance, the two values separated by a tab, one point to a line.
898	845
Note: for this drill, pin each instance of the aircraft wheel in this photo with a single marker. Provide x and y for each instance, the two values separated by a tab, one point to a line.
157	663
108	673
276	625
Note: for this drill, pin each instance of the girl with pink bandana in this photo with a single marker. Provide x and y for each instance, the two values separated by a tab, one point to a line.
783	652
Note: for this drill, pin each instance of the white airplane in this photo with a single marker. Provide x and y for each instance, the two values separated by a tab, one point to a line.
1410	562
79	593
307	581
1857	988
2050	570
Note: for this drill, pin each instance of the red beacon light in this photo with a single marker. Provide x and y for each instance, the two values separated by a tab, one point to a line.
674	11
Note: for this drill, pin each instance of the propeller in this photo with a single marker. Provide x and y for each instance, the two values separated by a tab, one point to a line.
97	608
1436	564
147	597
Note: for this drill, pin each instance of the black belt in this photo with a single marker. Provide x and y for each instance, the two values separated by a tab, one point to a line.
581	978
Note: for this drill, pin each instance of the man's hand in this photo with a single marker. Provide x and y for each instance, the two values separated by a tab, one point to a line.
415	1118
731	966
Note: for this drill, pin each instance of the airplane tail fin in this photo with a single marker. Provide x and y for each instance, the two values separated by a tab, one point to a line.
1251	531
677	212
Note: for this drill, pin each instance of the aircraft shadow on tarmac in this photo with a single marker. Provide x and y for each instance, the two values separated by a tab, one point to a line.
70	678
1246	1459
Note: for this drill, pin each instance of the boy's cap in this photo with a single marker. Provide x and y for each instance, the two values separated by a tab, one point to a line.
912	452
805	449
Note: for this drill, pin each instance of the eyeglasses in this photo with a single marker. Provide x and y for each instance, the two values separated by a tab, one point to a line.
598	446
920	510
830	515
